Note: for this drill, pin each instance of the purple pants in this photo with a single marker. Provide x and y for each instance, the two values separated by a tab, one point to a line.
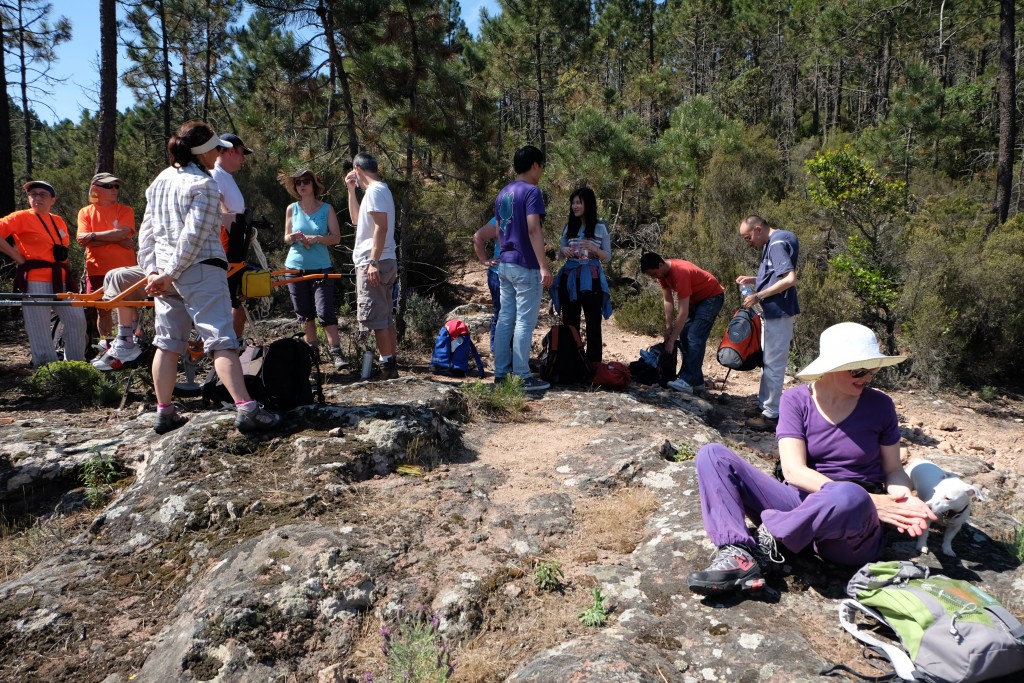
839	521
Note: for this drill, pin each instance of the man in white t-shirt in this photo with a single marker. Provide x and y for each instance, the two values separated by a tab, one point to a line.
232	208
374	257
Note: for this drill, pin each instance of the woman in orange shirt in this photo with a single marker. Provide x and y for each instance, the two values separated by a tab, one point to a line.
41	254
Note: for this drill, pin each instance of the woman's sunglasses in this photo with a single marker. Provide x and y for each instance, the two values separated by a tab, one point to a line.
303	181
108	187
857	374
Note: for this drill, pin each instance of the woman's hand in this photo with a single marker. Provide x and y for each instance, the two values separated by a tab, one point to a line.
907	513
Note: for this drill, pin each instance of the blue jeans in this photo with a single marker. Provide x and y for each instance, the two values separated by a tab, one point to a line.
520	307
495	286
693	340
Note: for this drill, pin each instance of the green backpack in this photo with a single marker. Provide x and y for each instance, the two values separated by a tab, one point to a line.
950	631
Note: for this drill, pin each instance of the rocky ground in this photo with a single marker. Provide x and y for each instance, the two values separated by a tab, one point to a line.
281	559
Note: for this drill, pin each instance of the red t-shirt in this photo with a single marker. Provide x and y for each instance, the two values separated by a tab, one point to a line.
101	257
33	240
687	280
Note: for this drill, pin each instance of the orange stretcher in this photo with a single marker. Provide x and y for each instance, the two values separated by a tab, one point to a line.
95	299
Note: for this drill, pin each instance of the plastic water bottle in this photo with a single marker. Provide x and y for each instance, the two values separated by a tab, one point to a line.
367	365
747	290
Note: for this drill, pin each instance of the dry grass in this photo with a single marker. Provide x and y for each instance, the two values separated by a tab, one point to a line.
616	522
22	547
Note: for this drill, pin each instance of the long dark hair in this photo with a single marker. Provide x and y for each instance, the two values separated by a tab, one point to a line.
179	146
589	221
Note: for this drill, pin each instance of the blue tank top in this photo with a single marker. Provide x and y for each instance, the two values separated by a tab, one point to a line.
318	256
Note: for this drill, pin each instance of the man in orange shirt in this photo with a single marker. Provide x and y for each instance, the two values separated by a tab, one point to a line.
105	229
687	323
40	253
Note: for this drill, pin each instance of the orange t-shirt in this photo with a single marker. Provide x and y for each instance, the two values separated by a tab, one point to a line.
103	257
33	240
687	280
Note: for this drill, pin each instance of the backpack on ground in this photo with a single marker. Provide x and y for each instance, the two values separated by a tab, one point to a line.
949	630
452	350
563	359
610	375
741	344
281	375
655	366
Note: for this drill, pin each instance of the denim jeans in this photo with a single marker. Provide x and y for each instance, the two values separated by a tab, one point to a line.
520	307
693	340
776	334
495	286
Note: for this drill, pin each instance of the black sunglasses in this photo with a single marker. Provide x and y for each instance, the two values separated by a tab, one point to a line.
108	187
304	181
857	374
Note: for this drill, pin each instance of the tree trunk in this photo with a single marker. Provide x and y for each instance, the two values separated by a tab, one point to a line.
108	87
208	68
326	14
7	204
23	71
166	52
1007	110
540	94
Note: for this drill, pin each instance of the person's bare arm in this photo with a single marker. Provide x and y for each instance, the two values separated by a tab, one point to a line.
380	234
488	231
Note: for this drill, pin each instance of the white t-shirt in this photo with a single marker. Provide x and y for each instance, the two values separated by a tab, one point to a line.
231	200
377	199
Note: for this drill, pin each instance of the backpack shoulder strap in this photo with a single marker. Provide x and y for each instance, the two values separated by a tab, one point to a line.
900	661
476	356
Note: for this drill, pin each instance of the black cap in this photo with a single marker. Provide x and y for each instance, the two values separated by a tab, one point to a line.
236	141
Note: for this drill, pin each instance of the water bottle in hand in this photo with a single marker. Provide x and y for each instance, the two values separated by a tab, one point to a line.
747	290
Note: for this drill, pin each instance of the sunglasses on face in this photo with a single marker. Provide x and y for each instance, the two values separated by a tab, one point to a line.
108	187
857	374
303	181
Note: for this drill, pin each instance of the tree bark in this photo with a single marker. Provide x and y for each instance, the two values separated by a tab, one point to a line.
326	14
7	204
1007	110
23	71
165	50
537	50
108	87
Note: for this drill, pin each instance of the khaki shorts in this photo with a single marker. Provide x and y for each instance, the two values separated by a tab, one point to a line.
374	305
120	279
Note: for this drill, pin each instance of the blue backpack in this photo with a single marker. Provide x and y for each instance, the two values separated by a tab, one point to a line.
452	349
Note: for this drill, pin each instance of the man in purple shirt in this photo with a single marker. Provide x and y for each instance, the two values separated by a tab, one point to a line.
523	271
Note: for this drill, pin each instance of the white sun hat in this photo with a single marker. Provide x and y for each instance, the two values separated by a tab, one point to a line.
847	346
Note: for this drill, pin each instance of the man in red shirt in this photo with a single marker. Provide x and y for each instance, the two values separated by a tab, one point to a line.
40	253
689	316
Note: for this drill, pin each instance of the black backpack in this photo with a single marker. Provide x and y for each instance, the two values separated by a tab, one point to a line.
562	358
278	375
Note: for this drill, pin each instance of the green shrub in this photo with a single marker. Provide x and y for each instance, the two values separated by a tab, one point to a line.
505	401
414	650
73	379
596	614
423	318
99	476
547	575
642	314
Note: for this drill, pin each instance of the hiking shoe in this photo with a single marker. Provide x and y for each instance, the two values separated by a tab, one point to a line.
681	385
390	369
535	384
168	422
734	568
762	423
767	552
259	420
116	357
338	359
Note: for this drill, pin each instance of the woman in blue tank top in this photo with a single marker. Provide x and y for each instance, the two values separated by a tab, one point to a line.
311	228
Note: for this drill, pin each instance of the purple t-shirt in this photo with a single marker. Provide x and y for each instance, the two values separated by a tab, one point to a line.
515	202
848	450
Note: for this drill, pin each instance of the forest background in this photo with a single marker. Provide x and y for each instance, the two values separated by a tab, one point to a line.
881	132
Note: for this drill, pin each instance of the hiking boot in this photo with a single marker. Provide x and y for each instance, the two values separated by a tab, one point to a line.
390	369
767	552
753	412
256	421
168	422
535	384
682	386
734	568
762	423
338	359
117	356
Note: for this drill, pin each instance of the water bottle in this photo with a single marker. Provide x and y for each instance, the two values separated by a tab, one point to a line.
747	290
367	365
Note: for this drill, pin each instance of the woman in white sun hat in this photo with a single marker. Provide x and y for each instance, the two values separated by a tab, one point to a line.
839	450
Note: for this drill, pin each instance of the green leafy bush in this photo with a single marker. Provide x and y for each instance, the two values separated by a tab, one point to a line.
414	650
596	614
99	476
73	379
497	401
547	575
642	314
423	318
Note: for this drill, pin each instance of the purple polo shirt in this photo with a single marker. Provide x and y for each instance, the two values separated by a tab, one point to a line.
848	450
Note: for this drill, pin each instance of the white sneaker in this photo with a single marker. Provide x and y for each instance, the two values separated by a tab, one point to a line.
116	357
680	385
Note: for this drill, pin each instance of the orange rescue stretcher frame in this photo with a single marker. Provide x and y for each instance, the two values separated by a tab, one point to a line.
95	299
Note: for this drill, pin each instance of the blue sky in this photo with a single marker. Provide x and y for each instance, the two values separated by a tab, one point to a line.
79	59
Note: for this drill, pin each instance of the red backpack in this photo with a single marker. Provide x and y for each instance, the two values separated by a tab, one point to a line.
741	344
611	375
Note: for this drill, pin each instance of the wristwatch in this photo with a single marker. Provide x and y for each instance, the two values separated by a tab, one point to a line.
372	262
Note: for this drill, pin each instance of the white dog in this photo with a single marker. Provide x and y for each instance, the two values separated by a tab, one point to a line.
948	496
